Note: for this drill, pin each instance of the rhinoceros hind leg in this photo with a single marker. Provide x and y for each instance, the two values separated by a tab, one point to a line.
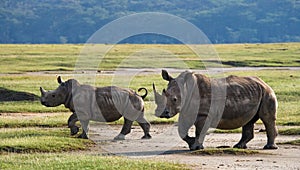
146	129
125	129
247	133
268	117
271	134
120	137
271	146
147	136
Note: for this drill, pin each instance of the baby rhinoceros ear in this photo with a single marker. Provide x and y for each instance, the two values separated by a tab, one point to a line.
59	80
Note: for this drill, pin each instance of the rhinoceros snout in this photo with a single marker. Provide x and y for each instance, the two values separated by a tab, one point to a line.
43	103
165	114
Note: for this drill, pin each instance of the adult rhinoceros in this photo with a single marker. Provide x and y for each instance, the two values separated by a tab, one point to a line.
104	104
224	103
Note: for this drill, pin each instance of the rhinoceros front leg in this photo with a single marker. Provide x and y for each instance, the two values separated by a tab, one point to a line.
183	128
202	125
71	124
85	129
125	129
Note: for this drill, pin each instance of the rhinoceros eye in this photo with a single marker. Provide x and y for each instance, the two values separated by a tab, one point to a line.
53	95
174	99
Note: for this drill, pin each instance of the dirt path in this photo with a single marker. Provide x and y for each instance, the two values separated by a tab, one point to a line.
146	71
167	146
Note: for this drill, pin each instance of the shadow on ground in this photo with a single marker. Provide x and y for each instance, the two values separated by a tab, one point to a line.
7	95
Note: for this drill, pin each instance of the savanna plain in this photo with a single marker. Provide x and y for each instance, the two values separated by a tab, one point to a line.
33	136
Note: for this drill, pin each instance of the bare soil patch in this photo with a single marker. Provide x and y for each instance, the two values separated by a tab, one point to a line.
166	145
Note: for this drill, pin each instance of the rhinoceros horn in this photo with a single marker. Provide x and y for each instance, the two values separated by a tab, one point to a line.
42	91
159	99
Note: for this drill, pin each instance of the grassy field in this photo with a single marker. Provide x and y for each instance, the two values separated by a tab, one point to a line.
29	58
29	128
80	161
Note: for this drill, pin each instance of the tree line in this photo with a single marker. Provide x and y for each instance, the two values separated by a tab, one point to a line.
74	21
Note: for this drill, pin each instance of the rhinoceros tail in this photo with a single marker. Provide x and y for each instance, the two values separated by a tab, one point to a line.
146	92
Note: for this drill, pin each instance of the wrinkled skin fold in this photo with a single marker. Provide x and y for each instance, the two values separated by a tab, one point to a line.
104	104
224	103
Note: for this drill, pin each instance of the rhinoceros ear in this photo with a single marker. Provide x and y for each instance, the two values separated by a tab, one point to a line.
165	75
59	80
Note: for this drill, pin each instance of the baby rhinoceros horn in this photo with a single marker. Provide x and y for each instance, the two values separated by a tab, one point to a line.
42	91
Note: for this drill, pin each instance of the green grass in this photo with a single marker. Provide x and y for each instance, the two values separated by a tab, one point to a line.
59	58
34	120
81	161
259	55
224	151
30	140
239	130
293	142
289	131
27	58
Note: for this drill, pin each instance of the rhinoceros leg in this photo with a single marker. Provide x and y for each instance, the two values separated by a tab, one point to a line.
125	129
71	124
268	116
189	140
247	133
201	128
85	129
271	133
146	129
145	126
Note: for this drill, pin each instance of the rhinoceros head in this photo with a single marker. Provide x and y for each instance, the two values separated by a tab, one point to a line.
170	100
55	97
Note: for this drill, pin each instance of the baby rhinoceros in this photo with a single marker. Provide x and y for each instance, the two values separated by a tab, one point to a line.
103	104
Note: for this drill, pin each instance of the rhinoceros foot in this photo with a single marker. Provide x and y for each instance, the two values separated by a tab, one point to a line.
147	136
83	136
74	130
120	137
240	146
196	147
271	146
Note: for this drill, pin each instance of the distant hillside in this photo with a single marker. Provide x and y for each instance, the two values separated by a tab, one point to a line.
74	21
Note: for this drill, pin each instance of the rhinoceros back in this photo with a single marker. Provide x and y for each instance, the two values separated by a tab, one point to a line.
115	102
106	104
244	95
